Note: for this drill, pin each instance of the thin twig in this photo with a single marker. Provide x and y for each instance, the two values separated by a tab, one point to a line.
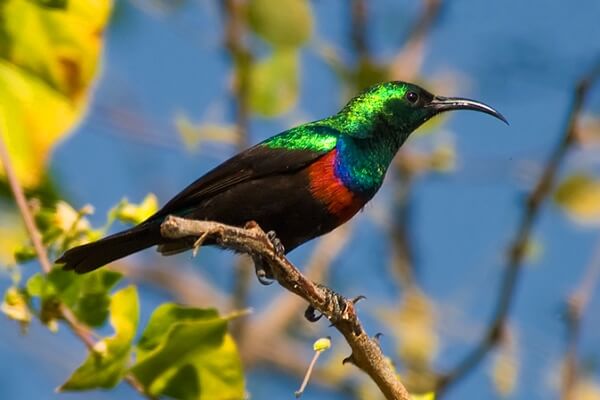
80	330
366	353
17	190
576	304
516	250
235	25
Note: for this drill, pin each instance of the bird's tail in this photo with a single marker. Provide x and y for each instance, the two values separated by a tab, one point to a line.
88	257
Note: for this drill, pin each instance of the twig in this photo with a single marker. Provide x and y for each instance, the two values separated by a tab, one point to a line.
358	29
516	250
80	330
576	305
242	59
366	353
17	190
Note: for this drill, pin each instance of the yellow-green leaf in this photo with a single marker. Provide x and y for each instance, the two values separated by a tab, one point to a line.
15	306
136	213
106	366
12	236
193	135
286	23
48	59
579	197
189	345
505	365
414	324
274	83
424	396
87	295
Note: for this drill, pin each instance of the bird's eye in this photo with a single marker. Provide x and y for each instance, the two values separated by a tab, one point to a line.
412	97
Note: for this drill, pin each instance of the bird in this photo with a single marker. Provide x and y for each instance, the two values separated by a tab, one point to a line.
297	185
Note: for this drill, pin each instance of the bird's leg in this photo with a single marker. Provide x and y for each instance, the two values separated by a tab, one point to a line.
263	270
277	245
339	304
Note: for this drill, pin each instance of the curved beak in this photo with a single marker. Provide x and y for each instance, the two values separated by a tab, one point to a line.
440	104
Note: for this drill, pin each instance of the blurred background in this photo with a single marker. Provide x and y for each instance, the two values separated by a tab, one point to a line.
161	91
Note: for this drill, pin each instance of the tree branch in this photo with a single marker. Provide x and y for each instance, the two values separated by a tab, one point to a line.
252	240
577	303
235	27
516	249
79	329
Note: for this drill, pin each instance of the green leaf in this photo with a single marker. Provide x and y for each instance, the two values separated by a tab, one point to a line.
134	214
48	60
16	306
194	135
424	396
579	196
35	285
105	367
368	73
12	235
289	23
56	4
274	83
86	295
189	345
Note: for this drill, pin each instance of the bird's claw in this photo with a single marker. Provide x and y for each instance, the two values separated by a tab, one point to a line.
277	245
358	298
262	277
311	314
263	273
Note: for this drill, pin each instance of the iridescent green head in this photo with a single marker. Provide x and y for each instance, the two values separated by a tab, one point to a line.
399	107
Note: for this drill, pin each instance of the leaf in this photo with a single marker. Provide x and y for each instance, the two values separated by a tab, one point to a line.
48	59
424	396
132	213
12	236
60	4
579	197
66	218
414	323
86	295
189	345
443	158
288	24
106	367
368	73
274	83
15	306
193	135
93	301
505	365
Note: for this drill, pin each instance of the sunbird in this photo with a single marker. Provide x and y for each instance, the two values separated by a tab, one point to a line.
298	184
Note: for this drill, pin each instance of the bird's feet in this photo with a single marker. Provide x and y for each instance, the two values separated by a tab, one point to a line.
339	304
263	271
277	245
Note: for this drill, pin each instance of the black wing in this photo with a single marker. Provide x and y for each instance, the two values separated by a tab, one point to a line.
253	163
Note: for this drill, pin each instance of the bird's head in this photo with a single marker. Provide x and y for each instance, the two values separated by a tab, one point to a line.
400	107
